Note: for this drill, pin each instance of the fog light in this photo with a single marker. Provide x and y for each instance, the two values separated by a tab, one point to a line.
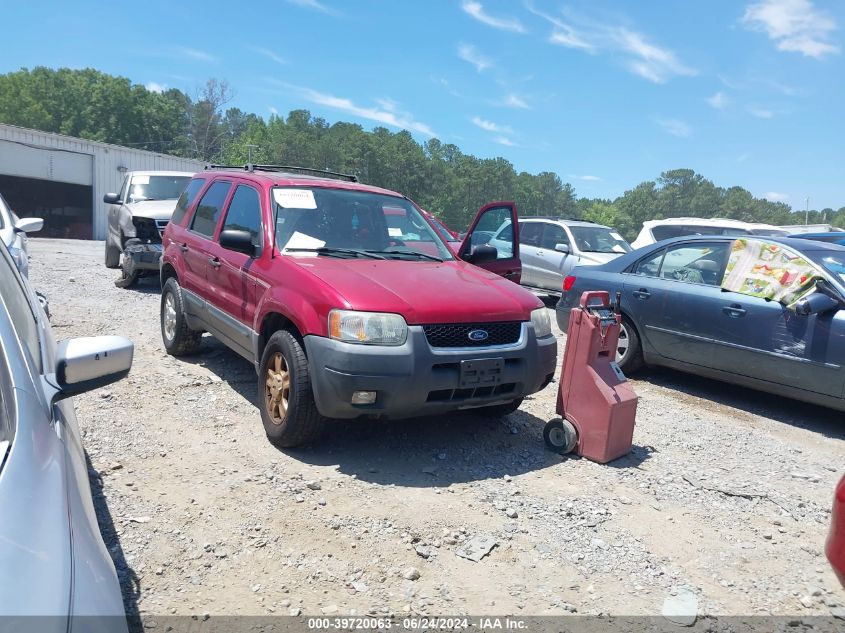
363	397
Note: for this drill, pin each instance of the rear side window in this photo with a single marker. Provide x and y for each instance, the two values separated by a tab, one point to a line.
530	232
700	263
187	199
554	234
209	207
244	213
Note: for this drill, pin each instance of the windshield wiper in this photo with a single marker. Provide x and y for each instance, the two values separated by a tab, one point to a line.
335	252
414	254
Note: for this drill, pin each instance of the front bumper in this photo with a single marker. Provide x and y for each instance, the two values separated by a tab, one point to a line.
415	379
143	257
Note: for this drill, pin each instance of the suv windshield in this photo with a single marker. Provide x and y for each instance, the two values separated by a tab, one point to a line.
599	239
156	188
339	222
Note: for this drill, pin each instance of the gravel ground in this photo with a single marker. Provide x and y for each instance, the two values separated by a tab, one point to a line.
726	494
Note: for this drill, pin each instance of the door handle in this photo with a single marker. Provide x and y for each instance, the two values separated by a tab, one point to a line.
214	261
183	247
540	253
734	311
510	273
641	294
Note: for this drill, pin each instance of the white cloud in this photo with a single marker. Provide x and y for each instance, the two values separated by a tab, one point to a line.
152	86
643	58
515	101
585	178
503	140
489	126
315	5
795	25
193	53
470	54
392	118
718	100
676	127
649	60
564	34
774	196
266	52
760	113
476	10
273	110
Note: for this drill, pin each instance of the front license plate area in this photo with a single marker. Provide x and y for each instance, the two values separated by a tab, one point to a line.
481	373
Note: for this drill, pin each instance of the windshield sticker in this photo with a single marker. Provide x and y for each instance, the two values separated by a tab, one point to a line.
301	240
618	249
394	232
140	180
295	198
616	236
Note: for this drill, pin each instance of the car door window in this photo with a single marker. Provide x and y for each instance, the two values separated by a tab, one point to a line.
530	233
208	210
186	199
496	229
649	266
20	310
244	213
554	234
701	262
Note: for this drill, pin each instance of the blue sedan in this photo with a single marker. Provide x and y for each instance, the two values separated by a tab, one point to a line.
675	314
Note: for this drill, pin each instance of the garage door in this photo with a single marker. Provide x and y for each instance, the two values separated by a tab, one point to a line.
46	164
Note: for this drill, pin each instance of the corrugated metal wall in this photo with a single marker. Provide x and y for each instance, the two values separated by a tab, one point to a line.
108	164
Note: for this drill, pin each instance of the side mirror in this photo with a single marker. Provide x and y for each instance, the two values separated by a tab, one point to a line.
238	241
111	198
816	303
91	362
562	248
482	255
29	225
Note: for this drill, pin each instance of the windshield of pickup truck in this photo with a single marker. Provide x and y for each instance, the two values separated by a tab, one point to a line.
349	224
599	239
156	187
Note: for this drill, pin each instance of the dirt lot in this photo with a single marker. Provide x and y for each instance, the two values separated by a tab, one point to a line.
726	493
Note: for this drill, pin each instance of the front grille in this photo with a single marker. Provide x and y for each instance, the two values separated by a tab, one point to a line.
457	334
462	395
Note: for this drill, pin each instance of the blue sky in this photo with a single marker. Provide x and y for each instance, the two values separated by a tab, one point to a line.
606	94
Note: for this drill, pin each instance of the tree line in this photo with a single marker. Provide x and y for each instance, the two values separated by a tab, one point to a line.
441	178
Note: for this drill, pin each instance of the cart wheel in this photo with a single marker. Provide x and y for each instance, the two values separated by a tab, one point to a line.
560	436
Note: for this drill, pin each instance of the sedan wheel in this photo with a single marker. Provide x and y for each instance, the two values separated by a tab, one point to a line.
623	345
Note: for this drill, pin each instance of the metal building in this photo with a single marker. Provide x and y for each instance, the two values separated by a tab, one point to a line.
63	179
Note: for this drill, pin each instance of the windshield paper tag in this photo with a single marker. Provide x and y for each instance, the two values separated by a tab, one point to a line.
616	236
140	180
394	232
301	240
295	198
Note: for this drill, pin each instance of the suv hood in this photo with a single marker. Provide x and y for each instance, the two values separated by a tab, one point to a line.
153	209
423	292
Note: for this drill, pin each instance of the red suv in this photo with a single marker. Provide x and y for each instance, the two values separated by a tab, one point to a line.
348	301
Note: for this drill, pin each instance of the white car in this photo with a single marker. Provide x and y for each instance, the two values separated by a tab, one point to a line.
13	232
658	230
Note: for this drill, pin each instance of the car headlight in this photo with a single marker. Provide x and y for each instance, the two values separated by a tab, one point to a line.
541	322
21	260
367	328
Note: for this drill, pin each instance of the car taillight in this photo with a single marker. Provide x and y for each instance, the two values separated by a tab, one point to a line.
568	282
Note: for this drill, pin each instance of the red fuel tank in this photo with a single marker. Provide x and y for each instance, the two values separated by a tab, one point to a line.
594	394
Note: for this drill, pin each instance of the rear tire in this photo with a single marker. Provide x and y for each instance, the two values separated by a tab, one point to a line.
288	409
631	359
178	338
112	256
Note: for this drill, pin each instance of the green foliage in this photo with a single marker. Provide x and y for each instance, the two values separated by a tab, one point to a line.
453	185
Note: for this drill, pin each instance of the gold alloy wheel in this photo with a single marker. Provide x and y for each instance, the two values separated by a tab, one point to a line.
277	388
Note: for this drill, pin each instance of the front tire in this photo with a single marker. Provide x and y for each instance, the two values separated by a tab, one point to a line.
288	410
128	274
178	338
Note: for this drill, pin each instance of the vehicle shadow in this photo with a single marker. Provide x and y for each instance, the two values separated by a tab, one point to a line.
146	285
130	584
817	419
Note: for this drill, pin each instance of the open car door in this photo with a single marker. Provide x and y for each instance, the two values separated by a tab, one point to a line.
492	241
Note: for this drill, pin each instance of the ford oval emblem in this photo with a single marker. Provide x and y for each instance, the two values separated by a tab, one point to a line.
477	335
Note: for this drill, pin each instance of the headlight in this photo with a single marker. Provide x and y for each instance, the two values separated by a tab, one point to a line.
20	260
541	322
367	328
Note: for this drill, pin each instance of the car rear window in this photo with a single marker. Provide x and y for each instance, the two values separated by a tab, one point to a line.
669	231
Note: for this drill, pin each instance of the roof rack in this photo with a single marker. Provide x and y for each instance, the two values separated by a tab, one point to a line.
288	168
